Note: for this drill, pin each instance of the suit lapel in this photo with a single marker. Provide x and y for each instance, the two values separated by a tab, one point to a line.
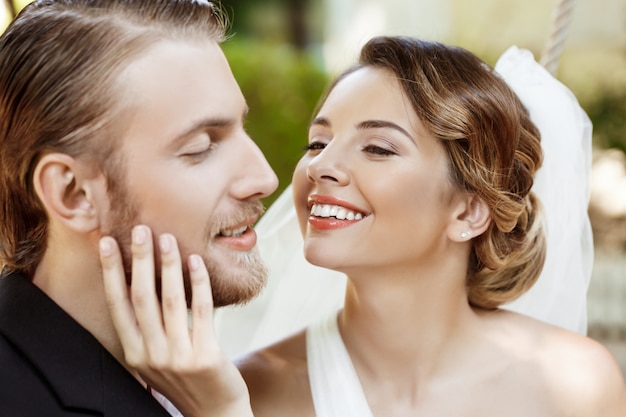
80	371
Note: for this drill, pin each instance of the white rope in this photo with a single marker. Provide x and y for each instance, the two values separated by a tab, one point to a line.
561	19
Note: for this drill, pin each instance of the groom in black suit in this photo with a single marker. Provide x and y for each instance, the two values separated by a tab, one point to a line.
115	113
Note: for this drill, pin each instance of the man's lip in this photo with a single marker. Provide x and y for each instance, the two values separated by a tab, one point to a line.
327	199
245	242
247	223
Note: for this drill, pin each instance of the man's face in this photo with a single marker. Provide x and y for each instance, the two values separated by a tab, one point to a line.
190	168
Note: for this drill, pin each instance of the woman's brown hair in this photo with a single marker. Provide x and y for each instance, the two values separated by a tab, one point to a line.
493	151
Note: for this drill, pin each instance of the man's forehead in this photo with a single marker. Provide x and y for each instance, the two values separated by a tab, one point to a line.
179	86
174	67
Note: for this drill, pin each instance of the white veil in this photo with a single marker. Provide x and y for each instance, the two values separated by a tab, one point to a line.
299	293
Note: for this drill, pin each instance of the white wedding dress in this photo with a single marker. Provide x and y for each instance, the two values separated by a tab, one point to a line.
335	385
299	294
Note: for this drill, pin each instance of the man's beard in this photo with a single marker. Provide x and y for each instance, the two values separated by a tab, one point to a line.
233	281
228	286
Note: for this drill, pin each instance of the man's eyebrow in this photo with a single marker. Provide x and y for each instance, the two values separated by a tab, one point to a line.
375	124
207	123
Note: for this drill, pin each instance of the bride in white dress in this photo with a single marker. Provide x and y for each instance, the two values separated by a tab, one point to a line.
417	186
299	293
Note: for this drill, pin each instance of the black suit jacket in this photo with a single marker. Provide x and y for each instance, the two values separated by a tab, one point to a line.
51	366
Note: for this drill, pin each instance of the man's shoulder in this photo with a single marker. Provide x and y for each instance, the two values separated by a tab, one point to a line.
23	391
51	366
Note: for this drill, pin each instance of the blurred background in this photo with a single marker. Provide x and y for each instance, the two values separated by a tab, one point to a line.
284	52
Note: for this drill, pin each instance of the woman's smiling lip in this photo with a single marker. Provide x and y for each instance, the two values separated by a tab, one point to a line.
336	213
334	201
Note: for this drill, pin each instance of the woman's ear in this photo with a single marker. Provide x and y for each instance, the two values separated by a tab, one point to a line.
470	219
66	188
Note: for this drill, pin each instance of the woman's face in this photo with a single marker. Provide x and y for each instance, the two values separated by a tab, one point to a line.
373	189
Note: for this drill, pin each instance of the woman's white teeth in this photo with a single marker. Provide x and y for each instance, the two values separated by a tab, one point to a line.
234	232
341	213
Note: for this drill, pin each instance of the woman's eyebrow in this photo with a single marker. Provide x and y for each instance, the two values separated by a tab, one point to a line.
367	124
375	124
322	121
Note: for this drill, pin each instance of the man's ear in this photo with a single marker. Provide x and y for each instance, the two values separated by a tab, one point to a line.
470	219
67	189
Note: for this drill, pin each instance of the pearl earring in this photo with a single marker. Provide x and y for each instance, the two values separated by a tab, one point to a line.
465	234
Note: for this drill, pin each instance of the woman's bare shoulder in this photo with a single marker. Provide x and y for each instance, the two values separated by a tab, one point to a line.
592	381
277	378
580	373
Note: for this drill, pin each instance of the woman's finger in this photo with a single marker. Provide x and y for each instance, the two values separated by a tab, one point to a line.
203	332
173	298
144	296
116	292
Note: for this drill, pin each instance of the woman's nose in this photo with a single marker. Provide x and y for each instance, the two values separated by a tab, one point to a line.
328	166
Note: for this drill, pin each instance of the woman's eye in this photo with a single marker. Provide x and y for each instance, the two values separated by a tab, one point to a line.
377	150
314	146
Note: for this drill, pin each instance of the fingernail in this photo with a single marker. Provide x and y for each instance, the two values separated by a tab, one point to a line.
105	247
164	243
139	235
194	262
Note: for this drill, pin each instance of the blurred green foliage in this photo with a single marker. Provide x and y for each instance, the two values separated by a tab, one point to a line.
297	22
282	83
282	87
608	115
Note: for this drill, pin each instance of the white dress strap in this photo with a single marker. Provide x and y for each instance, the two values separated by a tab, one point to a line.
335	385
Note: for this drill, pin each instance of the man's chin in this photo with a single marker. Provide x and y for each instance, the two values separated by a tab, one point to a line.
236	294
237	281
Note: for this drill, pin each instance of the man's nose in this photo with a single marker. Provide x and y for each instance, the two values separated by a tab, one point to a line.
258	179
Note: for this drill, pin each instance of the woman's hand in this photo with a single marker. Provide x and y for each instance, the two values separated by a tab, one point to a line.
186	365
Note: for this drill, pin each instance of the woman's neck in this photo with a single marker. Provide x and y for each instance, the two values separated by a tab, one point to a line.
406	326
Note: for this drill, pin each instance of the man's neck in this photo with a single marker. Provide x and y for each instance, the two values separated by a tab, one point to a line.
72	278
